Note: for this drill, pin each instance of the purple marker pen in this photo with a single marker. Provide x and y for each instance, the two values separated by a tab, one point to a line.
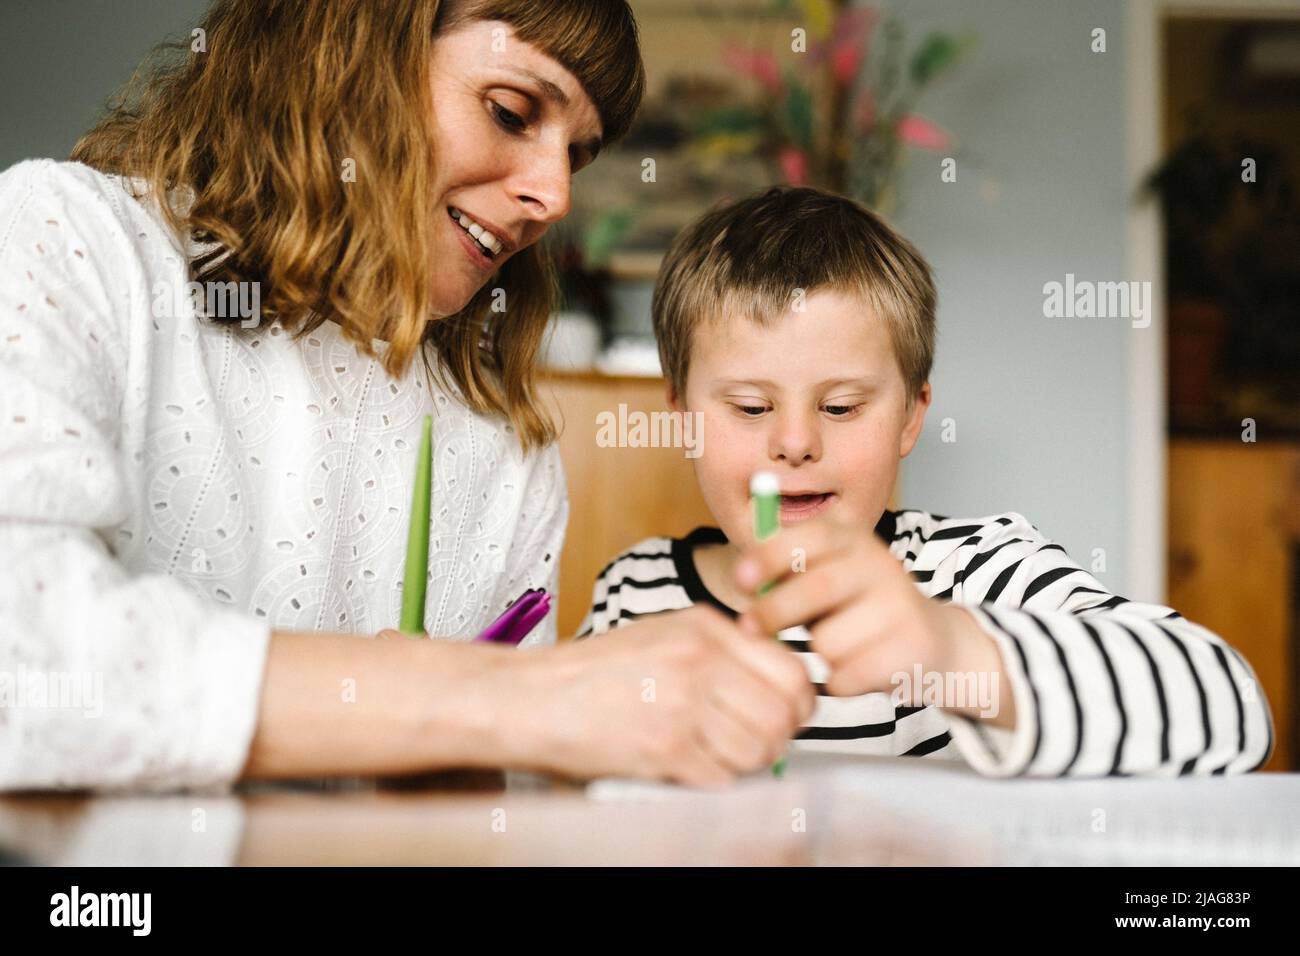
530	619
500	630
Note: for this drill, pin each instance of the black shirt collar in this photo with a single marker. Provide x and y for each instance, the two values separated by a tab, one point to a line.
684	558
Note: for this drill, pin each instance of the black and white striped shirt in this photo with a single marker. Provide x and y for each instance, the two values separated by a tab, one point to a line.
1102	685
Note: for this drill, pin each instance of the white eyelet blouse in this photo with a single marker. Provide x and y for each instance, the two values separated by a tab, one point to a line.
172	488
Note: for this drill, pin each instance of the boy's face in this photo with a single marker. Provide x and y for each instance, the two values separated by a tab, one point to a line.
817	398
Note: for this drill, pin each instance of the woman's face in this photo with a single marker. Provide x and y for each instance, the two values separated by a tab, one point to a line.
510	126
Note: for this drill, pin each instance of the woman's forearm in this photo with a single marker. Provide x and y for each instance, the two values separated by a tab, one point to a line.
643	702
339	704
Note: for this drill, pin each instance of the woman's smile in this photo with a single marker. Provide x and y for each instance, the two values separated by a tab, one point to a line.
474	250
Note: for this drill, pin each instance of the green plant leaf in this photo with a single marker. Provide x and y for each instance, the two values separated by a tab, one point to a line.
731	119
937	52
799	116
604	233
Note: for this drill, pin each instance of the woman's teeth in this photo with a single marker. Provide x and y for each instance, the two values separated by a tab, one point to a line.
488	242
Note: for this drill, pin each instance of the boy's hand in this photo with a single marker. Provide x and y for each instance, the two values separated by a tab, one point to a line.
867	618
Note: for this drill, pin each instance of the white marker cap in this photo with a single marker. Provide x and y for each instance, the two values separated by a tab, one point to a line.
764	483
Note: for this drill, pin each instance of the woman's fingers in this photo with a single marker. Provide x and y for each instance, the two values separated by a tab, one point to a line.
683	696
739	731
744	702
769	661
734	742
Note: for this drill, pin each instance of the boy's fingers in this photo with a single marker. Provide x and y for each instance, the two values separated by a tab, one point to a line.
861	673
842	636
811	595
804	544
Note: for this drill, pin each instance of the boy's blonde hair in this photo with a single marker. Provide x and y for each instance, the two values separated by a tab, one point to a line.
750	257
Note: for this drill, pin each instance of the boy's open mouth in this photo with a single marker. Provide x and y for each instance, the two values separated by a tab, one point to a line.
800	507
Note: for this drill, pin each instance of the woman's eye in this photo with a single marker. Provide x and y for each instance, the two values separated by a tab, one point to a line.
510	120
840	410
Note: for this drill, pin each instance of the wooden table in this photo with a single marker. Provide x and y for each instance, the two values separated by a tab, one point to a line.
827	810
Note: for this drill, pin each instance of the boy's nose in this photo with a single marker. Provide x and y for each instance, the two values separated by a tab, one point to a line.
795	441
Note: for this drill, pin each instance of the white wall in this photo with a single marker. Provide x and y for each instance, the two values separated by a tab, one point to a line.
63	58
1042	407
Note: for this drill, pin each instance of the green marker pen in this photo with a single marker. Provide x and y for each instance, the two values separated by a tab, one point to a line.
415	580
765	499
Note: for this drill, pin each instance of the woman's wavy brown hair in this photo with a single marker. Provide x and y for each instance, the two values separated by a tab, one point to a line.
258	128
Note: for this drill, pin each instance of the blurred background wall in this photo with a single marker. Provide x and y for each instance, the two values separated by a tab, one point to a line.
63	58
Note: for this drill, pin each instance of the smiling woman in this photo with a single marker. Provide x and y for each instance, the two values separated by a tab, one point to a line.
323	142
202	515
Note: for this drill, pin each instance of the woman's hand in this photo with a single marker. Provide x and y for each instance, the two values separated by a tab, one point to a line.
684	696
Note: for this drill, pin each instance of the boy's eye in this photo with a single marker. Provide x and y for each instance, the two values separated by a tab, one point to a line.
753	411
840	410
507	118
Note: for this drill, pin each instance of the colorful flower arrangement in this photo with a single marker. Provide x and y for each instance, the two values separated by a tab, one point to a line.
841	111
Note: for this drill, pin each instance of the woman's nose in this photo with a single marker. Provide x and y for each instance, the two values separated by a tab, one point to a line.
794	439
542	183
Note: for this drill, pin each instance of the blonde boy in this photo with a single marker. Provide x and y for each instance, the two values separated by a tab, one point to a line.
801	328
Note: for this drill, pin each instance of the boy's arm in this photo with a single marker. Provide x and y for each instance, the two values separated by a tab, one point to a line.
1102	685
603	611
638	582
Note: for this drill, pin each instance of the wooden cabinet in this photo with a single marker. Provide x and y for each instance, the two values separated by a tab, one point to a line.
617	496
1234	536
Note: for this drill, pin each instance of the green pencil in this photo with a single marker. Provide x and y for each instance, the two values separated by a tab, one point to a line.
765	499
415	580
